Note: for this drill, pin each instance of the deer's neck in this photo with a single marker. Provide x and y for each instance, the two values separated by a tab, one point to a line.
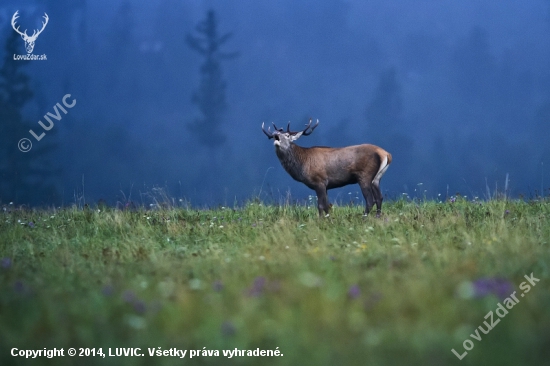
293	160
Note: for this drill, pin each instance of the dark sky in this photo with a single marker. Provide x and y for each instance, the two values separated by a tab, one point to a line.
457	91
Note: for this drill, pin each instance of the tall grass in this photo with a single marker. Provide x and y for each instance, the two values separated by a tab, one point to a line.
339	291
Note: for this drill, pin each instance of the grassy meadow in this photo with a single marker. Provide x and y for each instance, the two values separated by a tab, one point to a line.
404	289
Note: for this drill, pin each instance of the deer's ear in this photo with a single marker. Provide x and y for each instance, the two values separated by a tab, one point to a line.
296	136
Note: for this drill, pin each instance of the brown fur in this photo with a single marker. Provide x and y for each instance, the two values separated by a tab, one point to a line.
323	168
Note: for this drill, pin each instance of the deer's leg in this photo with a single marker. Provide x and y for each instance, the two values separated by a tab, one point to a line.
368	195
377	198
322	200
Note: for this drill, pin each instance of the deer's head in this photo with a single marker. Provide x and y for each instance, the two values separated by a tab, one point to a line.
283	139
29	40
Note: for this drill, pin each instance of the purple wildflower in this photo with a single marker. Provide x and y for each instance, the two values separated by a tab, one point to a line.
5	263
452	199
257	287
128	296
506	212
354	292
217	286
259	282
155	306
19	287
107	290
228	329
31	224
139	306
499	287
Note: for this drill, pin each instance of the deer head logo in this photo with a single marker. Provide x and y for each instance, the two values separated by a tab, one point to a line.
29	40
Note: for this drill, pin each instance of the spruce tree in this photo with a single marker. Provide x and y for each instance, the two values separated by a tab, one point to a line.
210	96
384	112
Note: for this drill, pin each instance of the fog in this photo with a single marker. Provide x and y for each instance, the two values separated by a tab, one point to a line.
457	91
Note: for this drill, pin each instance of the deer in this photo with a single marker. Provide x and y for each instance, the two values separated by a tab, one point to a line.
29	40
322	168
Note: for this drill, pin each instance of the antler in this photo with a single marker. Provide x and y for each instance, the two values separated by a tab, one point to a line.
311	128
46	18
13	19
277	128
305	131
268	133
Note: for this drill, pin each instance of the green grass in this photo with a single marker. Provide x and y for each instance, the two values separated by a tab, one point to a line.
346	290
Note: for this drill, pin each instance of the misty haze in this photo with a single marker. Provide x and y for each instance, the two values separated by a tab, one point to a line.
458	93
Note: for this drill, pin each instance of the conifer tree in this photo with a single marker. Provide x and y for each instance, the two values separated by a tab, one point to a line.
210	96
25	177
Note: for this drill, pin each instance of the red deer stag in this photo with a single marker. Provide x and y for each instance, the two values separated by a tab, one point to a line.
322	168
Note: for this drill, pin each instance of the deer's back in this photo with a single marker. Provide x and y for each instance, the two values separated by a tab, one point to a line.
344	165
